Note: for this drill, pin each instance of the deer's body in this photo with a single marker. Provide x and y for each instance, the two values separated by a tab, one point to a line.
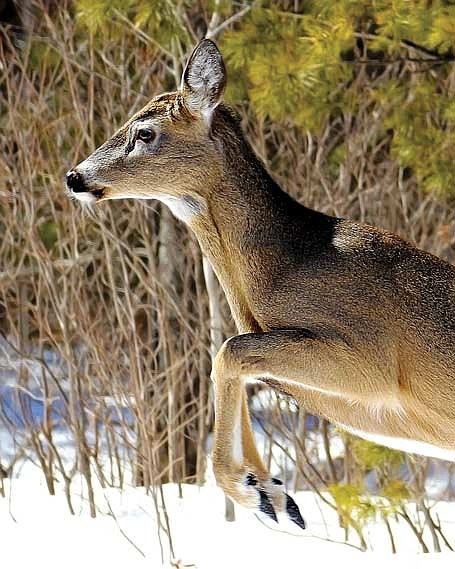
352	321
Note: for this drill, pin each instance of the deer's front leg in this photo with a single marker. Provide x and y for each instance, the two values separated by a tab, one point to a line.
238	467
301	361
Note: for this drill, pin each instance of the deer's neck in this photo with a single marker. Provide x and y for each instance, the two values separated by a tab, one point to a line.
244	227
244	209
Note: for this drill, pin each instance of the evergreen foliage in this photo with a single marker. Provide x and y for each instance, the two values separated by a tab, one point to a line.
159	19
397	56
356	505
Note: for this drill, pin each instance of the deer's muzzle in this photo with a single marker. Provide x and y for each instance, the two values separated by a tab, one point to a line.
80	189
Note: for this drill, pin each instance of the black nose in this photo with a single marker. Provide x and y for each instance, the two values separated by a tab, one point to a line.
75	182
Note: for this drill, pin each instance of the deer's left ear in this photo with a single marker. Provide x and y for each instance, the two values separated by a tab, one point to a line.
204	79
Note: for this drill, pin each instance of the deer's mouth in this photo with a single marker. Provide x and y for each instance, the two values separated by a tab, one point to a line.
99	193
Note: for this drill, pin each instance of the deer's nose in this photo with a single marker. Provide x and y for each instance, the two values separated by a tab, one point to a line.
75	182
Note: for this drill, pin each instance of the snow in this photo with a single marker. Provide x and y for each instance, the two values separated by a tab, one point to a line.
37	530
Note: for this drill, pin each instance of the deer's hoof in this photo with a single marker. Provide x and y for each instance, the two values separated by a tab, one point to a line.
267	498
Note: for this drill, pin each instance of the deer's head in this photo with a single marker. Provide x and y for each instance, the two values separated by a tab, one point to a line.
166	151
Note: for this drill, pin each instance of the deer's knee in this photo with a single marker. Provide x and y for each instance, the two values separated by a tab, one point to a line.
230	359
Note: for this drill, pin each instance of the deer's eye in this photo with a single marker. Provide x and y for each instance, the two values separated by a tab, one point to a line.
146	135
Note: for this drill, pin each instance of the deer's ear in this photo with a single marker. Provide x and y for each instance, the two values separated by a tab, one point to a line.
204	79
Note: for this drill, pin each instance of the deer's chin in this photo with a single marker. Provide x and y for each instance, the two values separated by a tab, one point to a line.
85	197
90	197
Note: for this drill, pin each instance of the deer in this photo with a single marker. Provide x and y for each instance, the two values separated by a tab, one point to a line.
353	322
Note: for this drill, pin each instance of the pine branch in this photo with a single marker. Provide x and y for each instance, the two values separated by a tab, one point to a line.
432	55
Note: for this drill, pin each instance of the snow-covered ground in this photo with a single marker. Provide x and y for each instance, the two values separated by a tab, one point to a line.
37	530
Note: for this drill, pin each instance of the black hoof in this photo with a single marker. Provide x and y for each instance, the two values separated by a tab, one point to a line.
266	506
294	513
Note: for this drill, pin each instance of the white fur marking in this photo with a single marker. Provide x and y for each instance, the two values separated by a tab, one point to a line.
406	445
378	408
85	197
182	208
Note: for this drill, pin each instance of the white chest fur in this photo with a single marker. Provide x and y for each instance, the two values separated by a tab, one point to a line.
184	208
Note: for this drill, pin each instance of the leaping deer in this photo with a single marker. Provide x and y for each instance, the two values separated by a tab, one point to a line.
353	322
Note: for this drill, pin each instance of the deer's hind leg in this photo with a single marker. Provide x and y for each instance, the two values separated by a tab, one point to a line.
289	357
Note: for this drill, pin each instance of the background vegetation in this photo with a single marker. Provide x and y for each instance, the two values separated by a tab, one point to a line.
105	316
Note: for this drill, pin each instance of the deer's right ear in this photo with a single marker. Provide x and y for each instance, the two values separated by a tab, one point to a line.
204	79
